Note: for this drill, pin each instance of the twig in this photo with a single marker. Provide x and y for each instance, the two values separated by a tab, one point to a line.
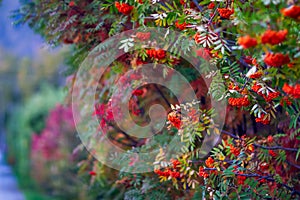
260	146
197	4
268	177
162	95
276	148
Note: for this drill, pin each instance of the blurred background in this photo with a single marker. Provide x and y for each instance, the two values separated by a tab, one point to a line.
36	128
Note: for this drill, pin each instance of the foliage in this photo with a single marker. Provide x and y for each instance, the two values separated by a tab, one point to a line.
30	118
255	47
52	162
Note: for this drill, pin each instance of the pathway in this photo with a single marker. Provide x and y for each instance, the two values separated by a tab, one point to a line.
8	184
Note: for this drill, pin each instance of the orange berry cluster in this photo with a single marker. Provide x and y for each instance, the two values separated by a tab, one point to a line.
272	153
158	54
276	59
169	172
247	42
271	96
211	5
292	12
123	8
256	75
209	162
274	37
241	101
269	37
256	88
202	172
293	91
175	119
241	179
225	12
180	26
262	120
235	151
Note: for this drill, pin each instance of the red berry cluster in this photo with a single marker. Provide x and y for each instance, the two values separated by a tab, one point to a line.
209	162
256	75
181	26
235	151
174	119
138	92
168	172
292	12
247	42
202	172
273	37
262	120
272	153
241	179
271	96
241	101
225	12
276	59
211	5
158	54
293	91
285	100
123	8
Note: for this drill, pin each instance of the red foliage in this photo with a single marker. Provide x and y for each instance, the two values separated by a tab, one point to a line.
285	100
264	166
248	60
175	163
170	172
165	173
47	143
232	86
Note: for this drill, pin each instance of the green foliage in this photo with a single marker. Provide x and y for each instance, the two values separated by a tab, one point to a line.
23	122
217	87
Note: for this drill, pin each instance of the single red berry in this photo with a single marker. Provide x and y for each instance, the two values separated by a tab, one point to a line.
92	173
72	3
272	153
270	139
